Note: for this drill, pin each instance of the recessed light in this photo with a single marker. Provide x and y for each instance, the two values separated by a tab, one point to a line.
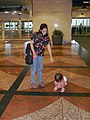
6	11
14	11
86	1
82	13
19	13
56	25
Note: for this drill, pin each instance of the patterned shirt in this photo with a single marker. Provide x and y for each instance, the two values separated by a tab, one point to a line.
40	42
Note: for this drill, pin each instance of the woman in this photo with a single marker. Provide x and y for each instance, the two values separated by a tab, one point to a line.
39	41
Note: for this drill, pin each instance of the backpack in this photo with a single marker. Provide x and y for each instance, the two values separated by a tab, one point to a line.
28	49
29	55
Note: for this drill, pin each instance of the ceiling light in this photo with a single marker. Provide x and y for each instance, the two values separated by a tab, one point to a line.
86	1
14	11
82	13
56	25
6	11
19	13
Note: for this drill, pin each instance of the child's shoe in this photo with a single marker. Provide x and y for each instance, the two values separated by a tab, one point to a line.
62	90
56	88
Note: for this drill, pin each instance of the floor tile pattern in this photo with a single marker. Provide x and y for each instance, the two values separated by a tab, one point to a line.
68	61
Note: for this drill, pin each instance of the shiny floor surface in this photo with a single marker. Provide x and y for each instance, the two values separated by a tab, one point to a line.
18	101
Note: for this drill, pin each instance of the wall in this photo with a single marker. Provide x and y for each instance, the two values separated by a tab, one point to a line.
53	12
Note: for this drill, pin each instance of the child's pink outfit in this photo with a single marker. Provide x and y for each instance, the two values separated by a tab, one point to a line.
61	84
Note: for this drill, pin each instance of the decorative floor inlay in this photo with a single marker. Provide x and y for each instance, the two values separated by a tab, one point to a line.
15	84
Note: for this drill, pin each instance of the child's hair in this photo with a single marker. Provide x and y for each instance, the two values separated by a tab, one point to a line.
58	77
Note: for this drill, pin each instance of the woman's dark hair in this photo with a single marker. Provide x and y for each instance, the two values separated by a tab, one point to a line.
58	77
42	26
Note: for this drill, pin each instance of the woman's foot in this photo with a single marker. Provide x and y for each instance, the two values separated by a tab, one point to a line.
41	85
34	86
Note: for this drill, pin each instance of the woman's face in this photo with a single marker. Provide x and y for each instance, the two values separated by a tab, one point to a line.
44	31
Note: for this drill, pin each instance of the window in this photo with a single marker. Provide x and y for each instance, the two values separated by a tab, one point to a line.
76	25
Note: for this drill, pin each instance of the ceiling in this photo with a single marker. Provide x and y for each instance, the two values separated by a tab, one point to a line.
15	2
81	5
15	5
77	5
27	2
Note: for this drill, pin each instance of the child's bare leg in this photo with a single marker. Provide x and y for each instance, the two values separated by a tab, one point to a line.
56	86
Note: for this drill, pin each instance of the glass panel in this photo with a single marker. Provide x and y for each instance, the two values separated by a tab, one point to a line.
6	25
88	26
14	25
74	26
12	29
80	26
24	33
8	34
26	29
16	34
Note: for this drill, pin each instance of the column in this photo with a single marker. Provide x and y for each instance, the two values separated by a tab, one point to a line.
3	35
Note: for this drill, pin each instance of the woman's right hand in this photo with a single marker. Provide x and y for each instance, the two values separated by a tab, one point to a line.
34	55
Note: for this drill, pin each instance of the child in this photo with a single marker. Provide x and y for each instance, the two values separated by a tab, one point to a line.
60	82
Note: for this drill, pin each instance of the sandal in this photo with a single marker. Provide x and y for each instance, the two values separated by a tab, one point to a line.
34	86
41	85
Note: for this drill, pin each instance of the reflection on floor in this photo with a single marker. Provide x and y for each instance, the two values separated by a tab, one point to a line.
19	102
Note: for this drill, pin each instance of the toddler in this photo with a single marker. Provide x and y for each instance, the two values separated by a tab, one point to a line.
60	82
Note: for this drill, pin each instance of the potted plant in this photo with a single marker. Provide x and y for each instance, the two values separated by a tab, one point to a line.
57	37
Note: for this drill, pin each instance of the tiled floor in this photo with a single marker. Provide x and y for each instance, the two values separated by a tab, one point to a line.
19	102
